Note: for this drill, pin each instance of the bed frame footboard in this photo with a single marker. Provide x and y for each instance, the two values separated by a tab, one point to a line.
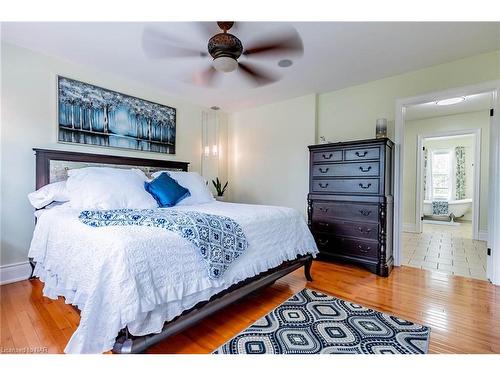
125	343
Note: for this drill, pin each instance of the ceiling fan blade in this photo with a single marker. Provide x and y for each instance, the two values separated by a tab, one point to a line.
158	44
205	77
258	76
284	41
207	29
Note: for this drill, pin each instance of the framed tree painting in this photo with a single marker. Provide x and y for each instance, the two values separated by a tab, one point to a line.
92	115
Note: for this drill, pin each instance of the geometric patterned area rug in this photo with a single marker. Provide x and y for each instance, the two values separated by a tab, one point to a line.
312	322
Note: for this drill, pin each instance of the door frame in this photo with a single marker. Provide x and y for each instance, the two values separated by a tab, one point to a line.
419	195
493	270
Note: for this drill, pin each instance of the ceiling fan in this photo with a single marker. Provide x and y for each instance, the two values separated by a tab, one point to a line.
225	50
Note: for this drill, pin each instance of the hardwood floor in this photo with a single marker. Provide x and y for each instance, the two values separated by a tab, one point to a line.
463	313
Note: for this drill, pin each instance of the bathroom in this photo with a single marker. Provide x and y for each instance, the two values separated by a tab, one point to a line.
448	180
445	208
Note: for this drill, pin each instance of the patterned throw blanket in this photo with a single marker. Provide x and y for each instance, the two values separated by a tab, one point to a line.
439	207
219	239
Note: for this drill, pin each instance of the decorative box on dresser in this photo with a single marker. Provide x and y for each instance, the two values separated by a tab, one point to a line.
350	202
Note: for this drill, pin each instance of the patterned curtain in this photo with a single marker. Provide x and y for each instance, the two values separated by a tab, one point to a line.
426	156
460	172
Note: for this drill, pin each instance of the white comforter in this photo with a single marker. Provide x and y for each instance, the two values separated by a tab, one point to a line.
140	277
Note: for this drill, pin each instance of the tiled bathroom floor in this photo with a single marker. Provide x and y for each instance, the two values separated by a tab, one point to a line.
448	249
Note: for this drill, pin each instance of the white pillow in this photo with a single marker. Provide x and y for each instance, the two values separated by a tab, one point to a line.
39	213
55	192
103	188
194	183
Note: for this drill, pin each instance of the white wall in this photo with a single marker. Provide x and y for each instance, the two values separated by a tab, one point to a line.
351	113
270	142
28	120
463	121
269	161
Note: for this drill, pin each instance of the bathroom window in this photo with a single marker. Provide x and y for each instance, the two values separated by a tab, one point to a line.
441	174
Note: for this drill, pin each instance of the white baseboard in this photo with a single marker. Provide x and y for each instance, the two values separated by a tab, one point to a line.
10	273
483	235
409	227
438	222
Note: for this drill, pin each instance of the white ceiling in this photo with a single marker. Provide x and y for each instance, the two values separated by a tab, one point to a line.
336	54
472	103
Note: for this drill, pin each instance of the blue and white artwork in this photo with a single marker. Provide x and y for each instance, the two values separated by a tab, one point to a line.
95	116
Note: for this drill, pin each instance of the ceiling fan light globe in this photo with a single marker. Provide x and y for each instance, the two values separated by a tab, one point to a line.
225	64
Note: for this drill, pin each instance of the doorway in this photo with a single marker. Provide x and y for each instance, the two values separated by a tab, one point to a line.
445	228
449	170
445	237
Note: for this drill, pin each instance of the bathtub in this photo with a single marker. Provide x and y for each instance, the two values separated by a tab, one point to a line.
458	208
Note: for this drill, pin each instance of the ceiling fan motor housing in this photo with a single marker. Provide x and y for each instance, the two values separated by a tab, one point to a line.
225	45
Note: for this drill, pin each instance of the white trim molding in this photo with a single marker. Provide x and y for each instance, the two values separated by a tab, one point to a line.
482	235
10	273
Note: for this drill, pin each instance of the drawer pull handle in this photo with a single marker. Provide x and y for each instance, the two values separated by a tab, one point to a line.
323	186
368	248
322	242
367	231
364	186
327	157
321	224
324	170
365	212
365	170
323	209
359	155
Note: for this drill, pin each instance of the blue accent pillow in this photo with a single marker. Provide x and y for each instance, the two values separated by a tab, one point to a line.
166	190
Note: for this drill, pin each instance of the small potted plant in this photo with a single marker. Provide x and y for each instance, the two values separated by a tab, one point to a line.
220	189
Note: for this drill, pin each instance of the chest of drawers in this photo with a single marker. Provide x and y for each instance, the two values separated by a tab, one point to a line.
350	203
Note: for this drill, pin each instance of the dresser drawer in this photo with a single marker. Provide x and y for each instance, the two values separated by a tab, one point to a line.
362	153
367	231
351	186
345	210
326	156
348	169
346	246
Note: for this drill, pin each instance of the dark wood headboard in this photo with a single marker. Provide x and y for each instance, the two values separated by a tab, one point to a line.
44	158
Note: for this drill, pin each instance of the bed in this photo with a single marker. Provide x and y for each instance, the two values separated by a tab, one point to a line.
130	292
